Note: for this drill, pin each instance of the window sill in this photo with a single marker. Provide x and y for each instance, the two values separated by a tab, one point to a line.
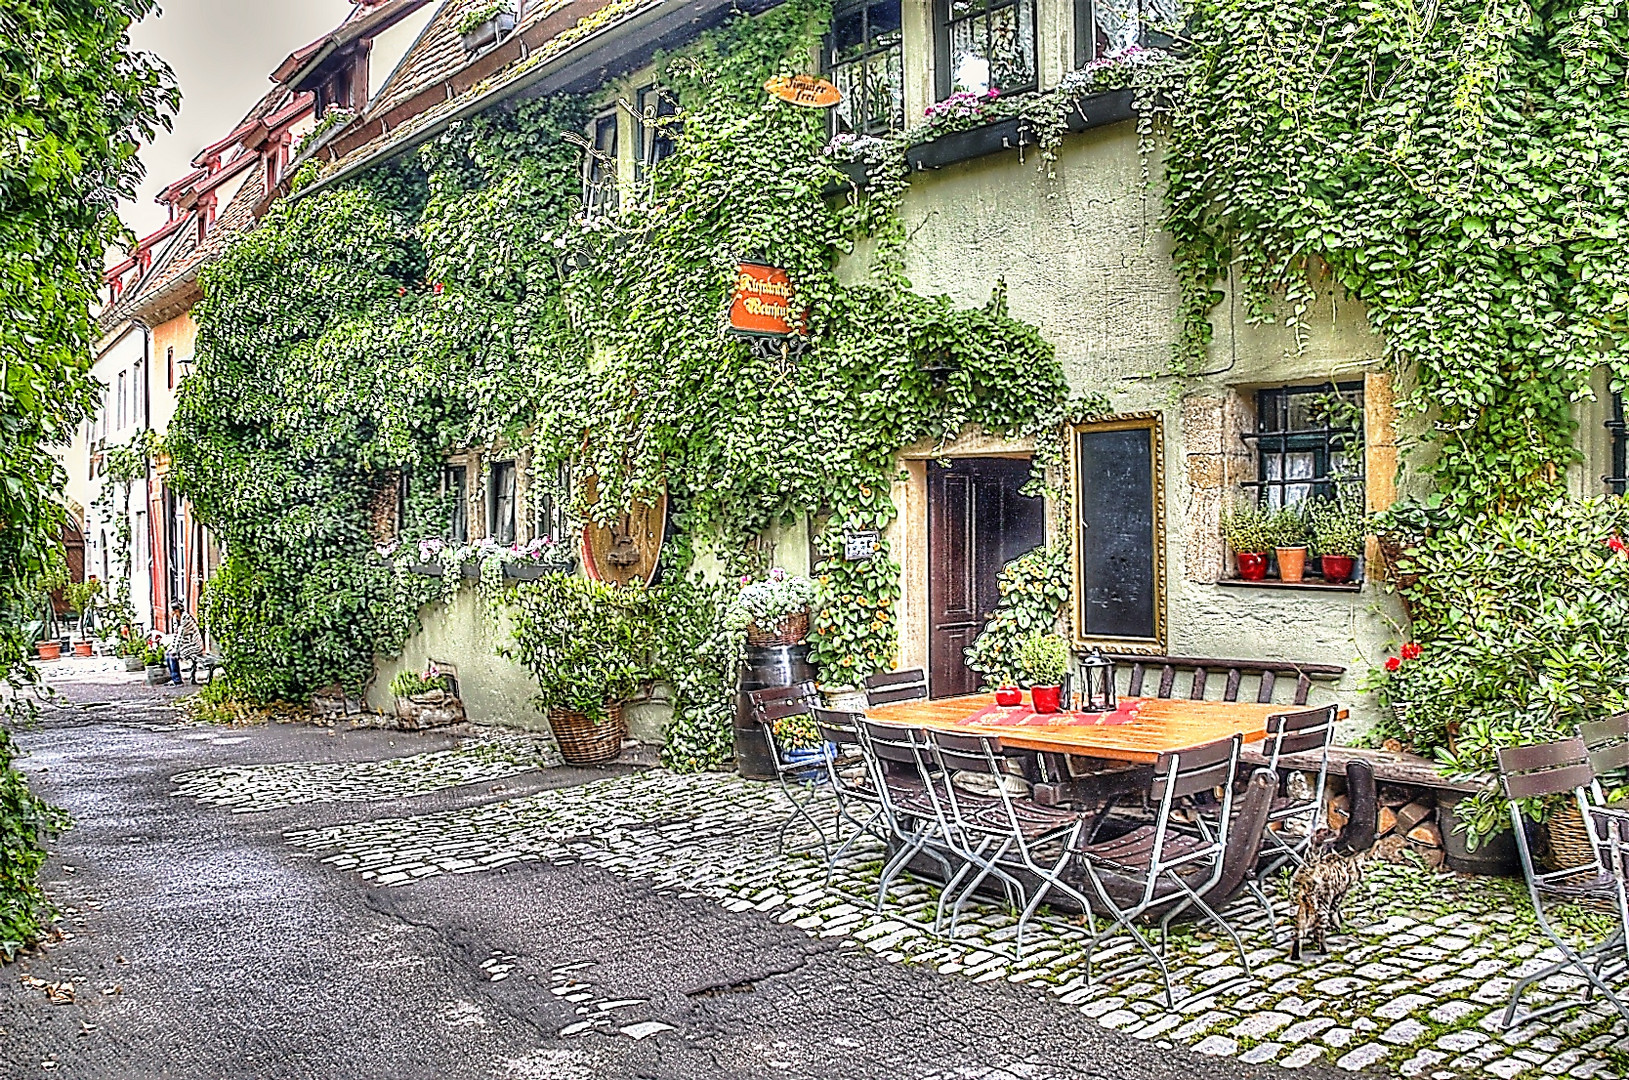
1309	585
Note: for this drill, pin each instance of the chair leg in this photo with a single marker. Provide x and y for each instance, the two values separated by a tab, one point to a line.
801	809
1124	919
1570	958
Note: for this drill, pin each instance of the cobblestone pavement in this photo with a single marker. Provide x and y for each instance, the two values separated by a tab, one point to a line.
1416	987
489	756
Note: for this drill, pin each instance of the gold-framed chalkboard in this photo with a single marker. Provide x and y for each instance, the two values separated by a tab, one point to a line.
1117	478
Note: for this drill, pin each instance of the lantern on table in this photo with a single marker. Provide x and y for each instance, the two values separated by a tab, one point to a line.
1096	683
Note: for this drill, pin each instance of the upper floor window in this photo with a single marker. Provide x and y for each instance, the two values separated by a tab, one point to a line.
551	506
983	45
658	124
600	166
1107	28
1618	482
500	502
119	417
1309	442
455	485
169	365
865	60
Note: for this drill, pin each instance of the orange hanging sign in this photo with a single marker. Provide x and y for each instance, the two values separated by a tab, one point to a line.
805	90
761	302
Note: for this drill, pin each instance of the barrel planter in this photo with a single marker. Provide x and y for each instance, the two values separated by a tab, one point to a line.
765	667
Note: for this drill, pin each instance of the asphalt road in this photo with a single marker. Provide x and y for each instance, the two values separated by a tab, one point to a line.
201	945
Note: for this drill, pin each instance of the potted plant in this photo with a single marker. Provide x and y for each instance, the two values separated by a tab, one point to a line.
1044	659
48	649
158	672
774	611
1245	527
83	597
484	25
588	645
799	741
1289	532
426	700
1339	531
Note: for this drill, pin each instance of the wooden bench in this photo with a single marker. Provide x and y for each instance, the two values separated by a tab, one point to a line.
1410	770
1200	670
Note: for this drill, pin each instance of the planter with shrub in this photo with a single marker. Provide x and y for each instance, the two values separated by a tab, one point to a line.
426	700
1248	531
1044	660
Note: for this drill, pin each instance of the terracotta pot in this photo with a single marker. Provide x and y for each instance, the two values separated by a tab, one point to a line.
1337	568
1045	698
1252	565
1292	563
49	650
1009	695
84	648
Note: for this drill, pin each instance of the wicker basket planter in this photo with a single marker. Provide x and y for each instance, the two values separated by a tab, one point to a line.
1567	840
432	709
791	630
589	742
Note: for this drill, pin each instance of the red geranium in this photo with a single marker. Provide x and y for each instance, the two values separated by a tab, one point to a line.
1616	544
438	287
1411	651
1392	663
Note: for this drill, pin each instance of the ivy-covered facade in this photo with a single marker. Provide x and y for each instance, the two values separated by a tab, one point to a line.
507	276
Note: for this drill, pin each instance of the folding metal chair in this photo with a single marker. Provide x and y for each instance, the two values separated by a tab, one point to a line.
888	687
1563	768
1607	743
769	707
1300	732
902	775
1187	863
858	801
999	834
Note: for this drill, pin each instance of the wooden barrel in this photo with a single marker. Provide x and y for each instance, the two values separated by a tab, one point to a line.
765	667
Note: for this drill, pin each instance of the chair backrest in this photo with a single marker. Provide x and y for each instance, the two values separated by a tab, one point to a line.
1195	770
887	687
890	743
837	726
776	703
804	692
1299	732
965	753
1200	671
1551	768
1607	743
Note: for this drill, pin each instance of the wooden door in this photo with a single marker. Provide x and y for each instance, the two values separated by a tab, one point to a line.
977	523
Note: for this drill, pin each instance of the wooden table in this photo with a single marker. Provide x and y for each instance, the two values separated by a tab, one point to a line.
1162	725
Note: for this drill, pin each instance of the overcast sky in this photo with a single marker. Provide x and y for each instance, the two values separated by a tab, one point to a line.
223	53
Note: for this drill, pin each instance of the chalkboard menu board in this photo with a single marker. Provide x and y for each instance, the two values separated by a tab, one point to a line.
1119	532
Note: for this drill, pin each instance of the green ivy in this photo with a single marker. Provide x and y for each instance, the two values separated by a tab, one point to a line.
1035	590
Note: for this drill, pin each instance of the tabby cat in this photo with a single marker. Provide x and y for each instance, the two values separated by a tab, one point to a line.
1320	886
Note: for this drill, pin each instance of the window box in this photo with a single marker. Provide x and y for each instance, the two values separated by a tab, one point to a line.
533	571
487	33
966	145
858	174
1100	110
428	569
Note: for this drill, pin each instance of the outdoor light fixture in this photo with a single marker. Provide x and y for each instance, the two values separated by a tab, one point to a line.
1097	683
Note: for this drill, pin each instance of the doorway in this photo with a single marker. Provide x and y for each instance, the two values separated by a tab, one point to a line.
977	523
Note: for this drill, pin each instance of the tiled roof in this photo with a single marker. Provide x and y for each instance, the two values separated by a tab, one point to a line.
439	55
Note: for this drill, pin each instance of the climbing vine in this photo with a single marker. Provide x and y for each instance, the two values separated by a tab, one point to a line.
1457	167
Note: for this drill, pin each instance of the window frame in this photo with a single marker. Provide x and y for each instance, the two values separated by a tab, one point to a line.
943	25
495	498
1617	481
551	507
653	136
600	193
1283	440
830	64
455	477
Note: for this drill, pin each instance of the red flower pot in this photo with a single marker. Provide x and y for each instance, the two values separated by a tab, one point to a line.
1009	695
49	650
1252	565
1337	568
1045	698
82	648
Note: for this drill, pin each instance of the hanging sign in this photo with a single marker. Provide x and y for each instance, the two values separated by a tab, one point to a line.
761	302
860	545
805	90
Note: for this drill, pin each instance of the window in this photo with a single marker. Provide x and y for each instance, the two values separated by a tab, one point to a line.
169	365
551	506
600	167
1618	482
455	482
500	502
1309	442
985	45
658	124
119	402
865	60
1105	28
